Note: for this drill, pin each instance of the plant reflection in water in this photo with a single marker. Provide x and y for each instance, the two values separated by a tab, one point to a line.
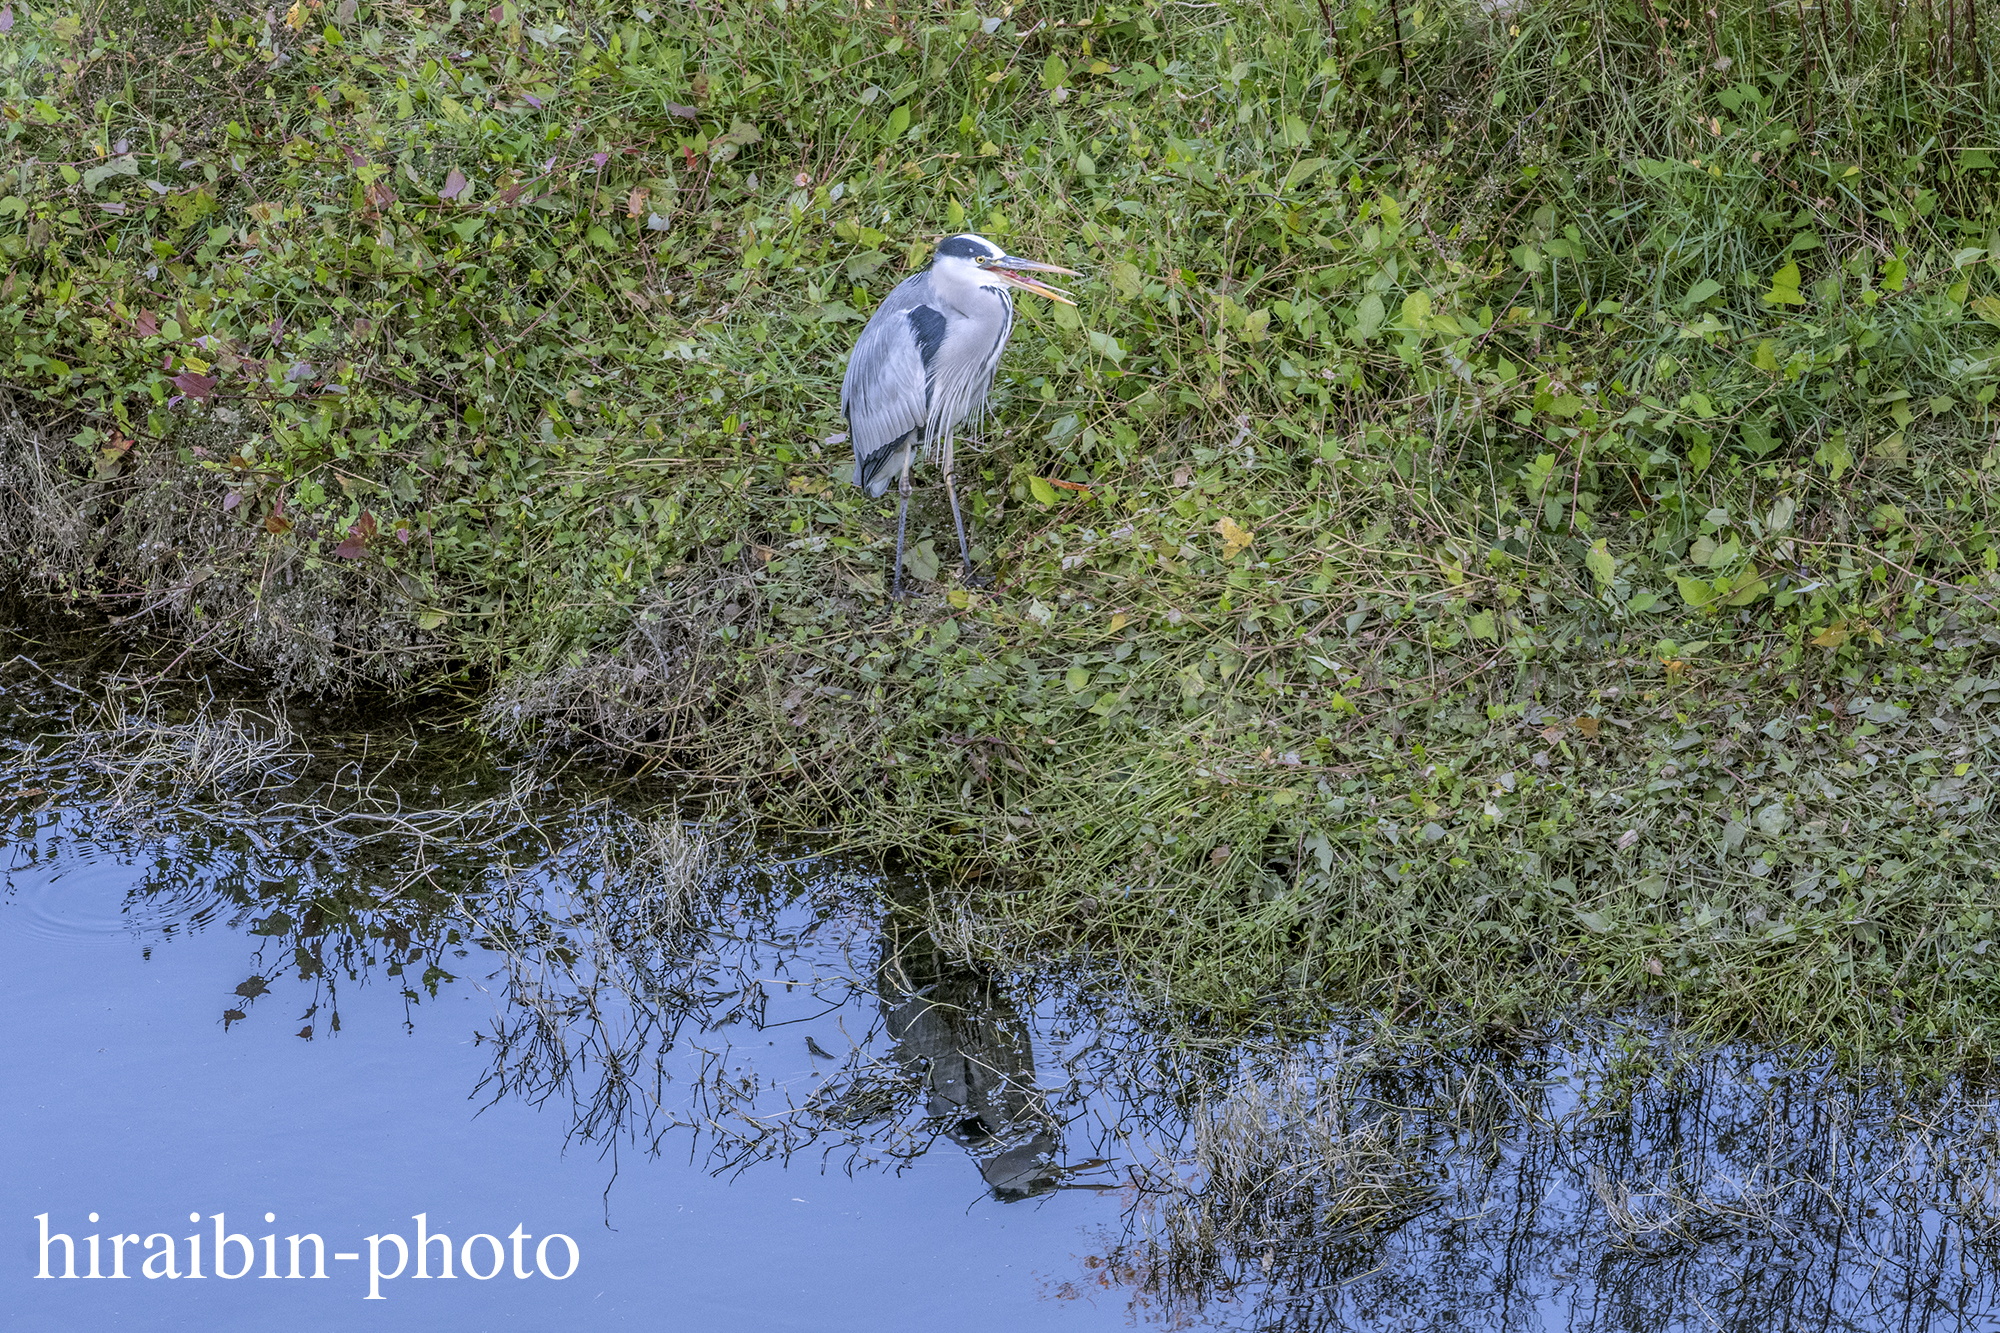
761	1002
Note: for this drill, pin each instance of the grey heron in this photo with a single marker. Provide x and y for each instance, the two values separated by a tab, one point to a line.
925	362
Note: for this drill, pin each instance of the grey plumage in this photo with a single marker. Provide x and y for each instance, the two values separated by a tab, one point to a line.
925	363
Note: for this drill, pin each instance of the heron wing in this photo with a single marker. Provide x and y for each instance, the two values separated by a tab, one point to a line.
886	395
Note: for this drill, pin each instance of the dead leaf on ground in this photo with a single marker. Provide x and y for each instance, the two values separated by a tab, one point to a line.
1235	538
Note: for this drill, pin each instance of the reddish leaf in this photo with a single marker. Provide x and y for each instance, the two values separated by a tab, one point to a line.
635	202
231	500
354	157
688	153
7	19
454	184
358	538
111	457
147	325
200	387
532	100
495	14
277	524
379	195
506	197
684	112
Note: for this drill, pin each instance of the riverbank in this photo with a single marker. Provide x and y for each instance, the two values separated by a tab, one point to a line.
1506	532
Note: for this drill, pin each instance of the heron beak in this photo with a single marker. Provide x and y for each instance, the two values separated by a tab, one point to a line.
1009	268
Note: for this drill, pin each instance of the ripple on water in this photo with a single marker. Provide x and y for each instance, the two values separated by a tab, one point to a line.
91	900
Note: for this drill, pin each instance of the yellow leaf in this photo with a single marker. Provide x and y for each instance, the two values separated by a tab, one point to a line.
295	17
1118	622
1235	538
1832	636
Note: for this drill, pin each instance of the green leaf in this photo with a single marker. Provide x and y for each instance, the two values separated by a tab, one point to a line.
1600	562
1368	316
1054	71
1833	454
117	166
598	236
1480	626
1416	310
1766	357
1701	291
1785	287
1302	172
1076	678
899	120
922	560
1746	588
1697	593
1044	493
1105	345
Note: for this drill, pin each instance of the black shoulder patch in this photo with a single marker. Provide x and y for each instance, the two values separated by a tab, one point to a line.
963	247
929	326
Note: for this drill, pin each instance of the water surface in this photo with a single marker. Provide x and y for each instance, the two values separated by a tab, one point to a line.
346	970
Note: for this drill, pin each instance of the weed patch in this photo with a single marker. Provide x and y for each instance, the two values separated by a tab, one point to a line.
1509	527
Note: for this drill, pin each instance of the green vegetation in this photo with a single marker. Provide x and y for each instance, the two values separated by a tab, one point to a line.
1509	530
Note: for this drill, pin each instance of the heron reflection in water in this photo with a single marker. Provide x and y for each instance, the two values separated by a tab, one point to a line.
955	1029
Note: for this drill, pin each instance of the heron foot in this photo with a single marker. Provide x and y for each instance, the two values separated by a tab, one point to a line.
972	578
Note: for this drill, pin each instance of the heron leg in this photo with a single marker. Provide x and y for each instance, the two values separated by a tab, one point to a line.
970	579
902	518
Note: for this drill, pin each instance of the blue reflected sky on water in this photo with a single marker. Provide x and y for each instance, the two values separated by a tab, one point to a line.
130	1099
169	939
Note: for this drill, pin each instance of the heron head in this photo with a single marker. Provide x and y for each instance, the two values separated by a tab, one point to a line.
975	257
